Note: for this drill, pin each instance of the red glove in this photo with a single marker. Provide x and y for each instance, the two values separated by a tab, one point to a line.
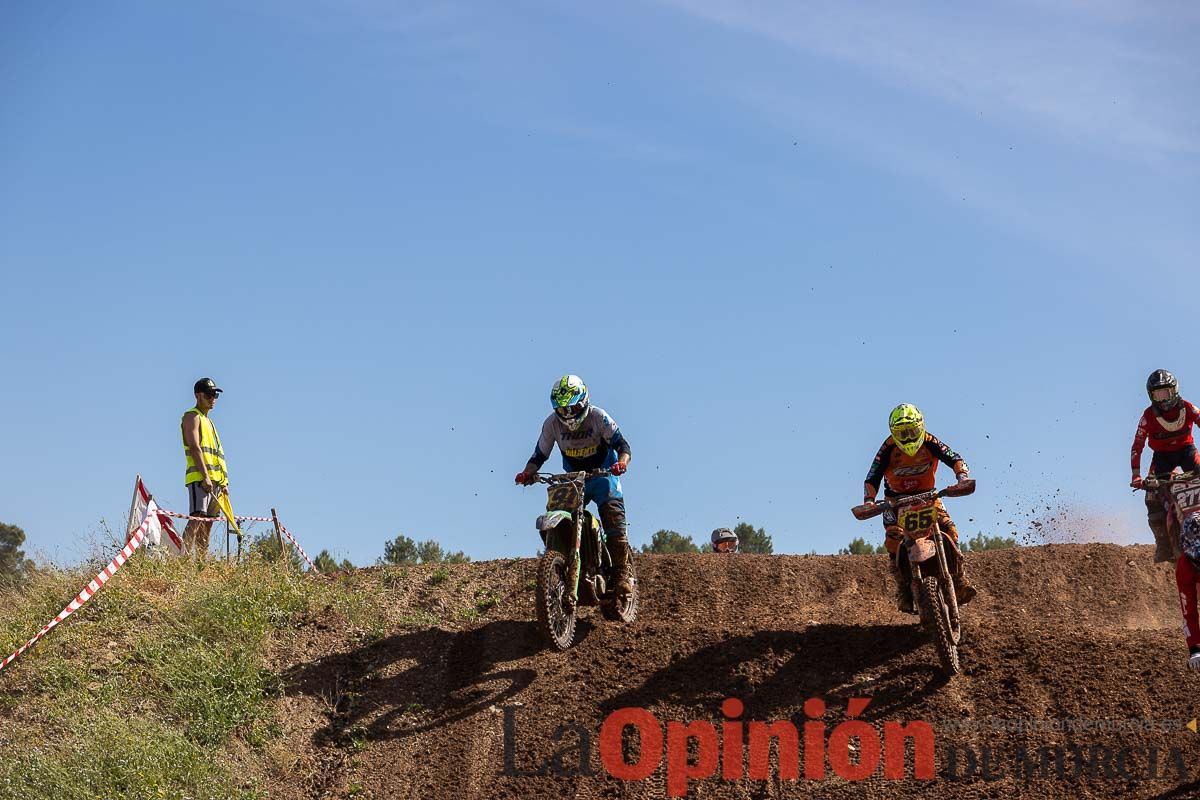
618	468
526	478
1137	481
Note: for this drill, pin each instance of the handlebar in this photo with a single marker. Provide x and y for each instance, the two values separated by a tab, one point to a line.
1151	482
871	510
569	477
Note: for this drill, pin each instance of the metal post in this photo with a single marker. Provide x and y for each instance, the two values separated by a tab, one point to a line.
278	532
137	480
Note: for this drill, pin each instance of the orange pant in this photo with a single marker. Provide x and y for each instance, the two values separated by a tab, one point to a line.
894	534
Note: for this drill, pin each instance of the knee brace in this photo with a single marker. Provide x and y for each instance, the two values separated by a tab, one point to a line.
612	517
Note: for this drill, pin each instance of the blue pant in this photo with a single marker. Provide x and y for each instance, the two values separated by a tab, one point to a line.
605	492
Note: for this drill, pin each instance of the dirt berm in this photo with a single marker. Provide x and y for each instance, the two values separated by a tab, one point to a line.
1076	649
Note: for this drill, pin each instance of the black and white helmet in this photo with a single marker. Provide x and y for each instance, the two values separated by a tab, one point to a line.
1189	537
1163	390
724	541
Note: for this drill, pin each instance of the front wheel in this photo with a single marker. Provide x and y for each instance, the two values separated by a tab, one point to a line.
936	616
557	625
622	608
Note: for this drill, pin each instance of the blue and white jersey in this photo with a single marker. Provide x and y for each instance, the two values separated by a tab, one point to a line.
594	445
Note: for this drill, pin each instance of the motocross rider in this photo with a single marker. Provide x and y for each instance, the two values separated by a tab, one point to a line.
724	541
1187	573
1167	426
588	439
907	463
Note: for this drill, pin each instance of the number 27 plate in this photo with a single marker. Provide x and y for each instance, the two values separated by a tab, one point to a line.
1186	496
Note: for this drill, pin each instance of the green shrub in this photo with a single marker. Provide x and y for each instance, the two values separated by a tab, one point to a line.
118	759
141	693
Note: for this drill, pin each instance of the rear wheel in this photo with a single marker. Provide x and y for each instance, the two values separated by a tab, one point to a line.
936	616
557	625
623	608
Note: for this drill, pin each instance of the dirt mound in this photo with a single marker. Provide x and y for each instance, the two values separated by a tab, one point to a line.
1074	682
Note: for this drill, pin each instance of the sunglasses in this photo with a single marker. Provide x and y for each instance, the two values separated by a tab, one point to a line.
211	395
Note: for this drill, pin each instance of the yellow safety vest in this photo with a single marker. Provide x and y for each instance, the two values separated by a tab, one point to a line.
214	456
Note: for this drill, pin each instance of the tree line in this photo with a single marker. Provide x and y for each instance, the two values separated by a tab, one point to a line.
750	540
976	544
15	567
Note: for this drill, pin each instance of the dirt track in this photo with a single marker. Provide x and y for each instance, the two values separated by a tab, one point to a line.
1061	632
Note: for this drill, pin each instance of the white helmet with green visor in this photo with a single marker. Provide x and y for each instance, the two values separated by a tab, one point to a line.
569	399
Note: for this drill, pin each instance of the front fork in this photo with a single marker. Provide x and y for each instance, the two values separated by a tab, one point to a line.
944	574
947	579
575	565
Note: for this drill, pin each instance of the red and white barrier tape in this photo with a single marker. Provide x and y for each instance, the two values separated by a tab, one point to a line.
296	544
177	515
135	541
282	530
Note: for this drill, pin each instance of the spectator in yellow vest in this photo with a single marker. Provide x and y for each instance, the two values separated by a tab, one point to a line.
206	475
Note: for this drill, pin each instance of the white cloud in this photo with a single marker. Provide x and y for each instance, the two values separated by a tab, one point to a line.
1064	73
1022	128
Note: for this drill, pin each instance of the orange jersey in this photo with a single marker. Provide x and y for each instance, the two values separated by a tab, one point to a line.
905	474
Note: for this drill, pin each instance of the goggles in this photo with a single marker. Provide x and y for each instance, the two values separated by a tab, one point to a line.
571	412
726	546
1159	395
907	433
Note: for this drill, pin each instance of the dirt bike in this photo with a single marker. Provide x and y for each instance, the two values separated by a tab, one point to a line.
930	564
1180	495
576	568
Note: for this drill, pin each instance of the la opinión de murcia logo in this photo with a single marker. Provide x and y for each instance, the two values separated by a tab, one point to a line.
733	749
697	750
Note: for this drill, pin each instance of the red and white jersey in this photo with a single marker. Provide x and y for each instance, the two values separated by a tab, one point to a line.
1164	433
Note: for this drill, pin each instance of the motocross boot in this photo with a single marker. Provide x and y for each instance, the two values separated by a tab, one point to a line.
1156	518
964	590
619	548
904	598
1163	549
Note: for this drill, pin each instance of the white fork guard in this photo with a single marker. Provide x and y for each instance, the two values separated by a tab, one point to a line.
921	550
551	520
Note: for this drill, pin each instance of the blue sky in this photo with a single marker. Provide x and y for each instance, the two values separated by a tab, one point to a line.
753	228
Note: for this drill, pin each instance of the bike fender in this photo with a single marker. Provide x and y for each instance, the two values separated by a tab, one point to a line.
922	550
551	520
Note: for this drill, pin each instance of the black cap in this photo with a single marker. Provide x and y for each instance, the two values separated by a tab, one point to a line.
206	385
